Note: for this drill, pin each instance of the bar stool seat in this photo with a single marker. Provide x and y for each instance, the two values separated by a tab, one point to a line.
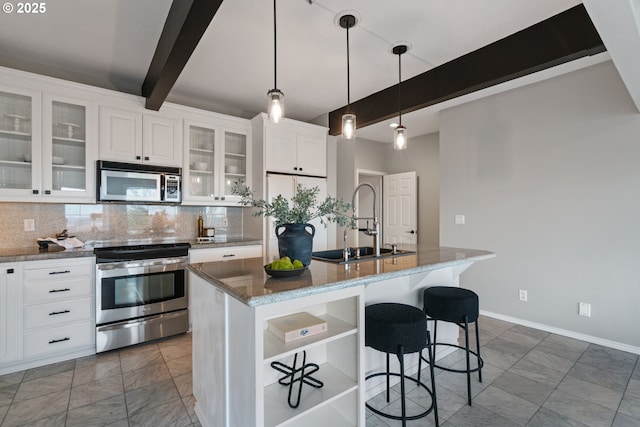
399	329
460	306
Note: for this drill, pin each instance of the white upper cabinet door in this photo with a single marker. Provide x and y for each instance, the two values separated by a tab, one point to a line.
312	154
20	144
162	141
69	149
134	137
120	135
281	150
294	147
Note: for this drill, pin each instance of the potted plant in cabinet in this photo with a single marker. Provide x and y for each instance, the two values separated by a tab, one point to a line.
292	216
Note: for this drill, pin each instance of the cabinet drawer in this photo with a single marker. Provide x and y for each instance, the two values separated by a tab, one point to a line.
226	253
57	313
58	340
58	271
51	290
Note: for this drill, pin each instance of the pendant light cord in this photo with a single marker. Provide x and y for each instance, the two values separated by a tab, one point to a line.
399	83
275	49
348	70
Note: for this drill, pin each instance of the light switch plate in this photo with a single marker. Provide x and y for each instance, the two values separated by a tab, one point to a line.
459	219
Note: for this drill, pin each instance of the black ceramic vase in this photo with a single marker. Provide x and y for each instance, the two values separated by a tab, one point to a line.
296	241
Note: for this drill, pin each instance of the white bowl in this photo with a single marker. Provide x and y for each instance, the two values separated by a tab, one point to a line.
59	160
232	169
202	166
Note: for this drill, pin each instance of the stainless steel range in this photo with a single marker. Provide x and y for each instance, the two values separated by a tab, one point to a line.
141	294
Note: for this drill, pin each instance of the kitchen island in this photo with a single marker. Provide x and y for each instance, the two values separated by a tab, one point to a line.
233	301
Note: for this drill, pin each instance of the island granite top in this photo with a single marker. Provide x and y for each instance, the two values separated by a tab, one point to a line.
247	281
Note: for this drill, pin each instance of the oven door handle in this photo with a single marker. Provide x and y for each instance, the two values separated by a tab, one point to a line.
141	263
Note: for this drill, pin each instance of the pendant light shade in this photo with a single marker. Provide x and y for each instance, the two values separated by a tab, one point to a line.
400	132
348	126
400	138
275	97
348	119
276	105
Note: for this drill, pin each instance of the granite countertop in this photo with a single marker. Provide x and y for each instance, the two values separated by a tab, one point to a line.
33	253
246	280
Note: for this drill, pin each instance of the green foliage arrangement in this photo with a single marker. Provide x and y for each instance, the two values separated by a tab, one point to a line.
303	207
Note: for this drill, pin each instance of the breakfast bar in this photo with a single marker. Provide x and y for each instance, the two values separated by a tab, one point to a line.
232	303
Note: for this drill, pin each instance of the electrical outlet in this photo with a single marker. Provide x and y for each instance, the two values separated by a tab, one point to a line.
584	309
459	219
523	295
225	222
29	225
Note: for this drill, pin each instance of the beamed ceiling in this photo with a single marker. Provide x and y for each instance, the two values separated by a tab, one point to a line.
218	55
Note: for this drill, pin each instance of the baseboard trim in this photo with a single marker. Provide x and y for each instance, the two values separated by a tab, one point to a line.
563	332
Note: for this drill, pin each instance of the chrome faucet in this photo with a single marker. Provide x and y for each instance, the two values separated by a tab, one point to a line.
375	230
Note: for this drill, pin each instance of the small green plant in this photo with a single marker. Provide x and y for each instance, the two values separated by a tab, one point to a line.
303	207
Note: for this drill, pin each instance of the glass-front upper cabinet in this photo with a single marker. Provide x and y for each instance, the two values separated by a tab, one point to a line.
235	162
69	148
201	182
216	157
20	142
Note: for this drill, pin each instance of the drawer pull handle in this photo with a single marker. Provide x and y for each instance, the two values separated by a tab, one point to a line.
228	255
59	312
63	339
60	272
59	290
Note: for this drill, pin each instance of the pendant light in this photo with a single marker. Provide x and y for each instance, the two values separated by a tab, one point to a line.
400	132
275	97
348	119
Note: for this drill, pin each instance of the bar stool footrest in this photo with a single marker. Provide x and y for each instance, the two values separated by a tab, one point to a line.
461	371
396	417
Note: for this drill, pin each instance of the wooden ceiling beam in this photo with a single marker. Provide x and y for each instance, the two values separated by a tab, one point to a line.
186	23
562	38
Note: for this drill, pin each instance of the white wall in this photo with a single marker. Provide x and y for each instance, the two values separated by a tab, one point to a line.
548	177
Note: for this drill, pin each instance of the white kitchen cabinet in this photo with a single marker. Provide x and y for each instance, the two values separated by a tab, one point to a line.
58	314
224	253
70	149
10	303
20	142
131	136
217	155
292	147
286	185
47	146
233	381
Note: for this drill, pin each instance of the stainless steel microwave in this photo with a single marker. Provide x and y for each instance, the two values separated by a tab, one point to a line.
138	183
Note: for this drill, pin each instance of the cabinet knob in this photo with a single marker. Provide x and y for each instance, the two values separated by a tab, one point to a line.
47	191
299	168
222	198
9	270
146	157
137	157
35	191
295	168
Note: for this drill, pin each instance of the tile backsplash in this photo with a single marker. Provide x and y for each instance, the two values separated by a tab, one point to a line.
102	222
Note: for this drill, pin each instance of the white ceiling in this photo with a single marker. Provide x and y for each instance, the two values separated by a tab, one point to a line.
110	43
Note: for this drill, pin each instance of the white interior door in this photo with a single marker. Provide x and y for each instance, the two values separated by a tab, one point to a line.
400	208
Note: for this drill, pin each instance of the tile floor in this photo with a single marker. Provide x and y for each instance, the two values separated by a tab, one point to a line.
530	378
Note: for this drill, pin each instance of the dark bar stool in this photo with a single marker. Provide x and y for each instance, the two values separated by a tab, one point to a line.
459	306
400	329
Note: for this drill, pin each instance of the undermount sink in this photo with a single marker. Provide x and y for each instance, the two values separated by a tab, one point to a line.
366	253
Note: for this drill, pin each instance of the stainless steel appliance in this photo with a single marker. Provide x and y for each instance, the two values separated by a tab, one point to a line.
137	183
141	295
